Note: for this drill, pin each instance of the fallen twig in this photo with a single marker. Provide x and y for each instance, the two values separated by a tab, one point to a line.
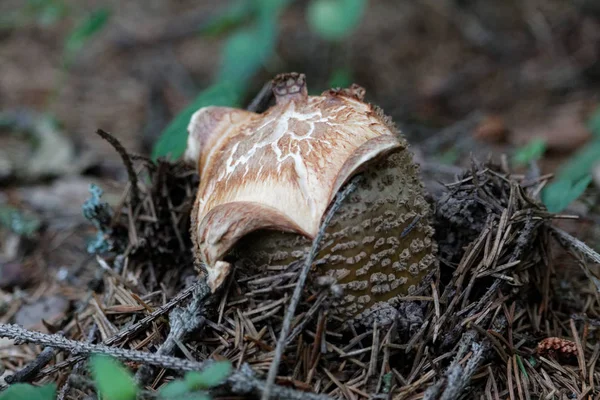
242	381
133	329
182	322
20	334
114	142
578	245
64	390
259	103
28	372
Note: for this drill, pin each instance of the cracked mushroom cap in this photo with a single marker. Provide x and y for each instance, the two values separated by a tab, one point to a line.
279	171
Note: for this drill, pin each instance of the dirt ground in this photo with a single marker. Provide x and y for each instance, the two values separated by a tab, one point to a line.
459	78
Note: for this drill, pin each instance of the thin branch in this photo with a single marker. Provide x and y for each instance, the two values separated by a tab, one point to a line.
135	328
114	142
242	381
578	245
27	373
289	315
64	390
182	321
259	103
20	334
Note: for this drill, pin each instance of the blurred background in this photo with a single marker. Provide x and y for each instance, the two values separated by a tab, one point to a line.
461	78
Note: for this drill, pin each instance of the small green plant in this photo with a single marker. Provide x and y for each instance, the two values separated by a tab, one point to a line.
215	374
85	30
575	175
559	194
247	49
113	380
253	28
532	151
24	391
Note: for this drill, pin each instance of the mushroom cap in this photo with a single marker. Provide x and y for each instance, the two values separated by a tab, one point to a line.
281	169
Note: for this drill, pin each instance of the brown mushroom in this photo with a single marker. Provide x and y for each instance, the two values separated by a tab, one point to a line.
266	181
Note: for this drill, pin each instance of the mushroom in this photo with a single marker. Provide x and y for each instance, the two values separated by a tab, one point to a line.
266	181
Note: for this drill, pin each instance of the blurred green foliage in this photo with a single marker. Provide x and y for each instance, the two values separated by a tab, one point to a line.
41	12
113	380
87	28
24	391
46	13
172	142
253	29
215	374
532	151
559	194
335	19
230	18
449	156
341	78
575	175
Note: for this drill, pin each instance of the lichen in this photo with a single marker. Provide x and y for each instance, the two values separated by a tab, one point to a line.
100	214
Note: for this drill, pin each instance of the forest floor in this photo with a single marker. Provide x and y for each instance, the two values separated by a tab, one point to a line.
480	81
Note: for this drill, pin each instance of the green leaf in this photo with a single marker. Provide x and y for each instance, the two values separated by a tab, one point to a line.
113	380
241	12
195	396
449	157
174	389
581	163
172	142
335	19
212	376
270	8
559	194
246	52
594	123
232	17
530	152
90	26
340	78
23	391
522	367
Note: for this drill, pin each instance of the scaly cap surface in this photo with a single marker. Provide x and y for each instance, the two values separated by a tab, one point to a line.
280	169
